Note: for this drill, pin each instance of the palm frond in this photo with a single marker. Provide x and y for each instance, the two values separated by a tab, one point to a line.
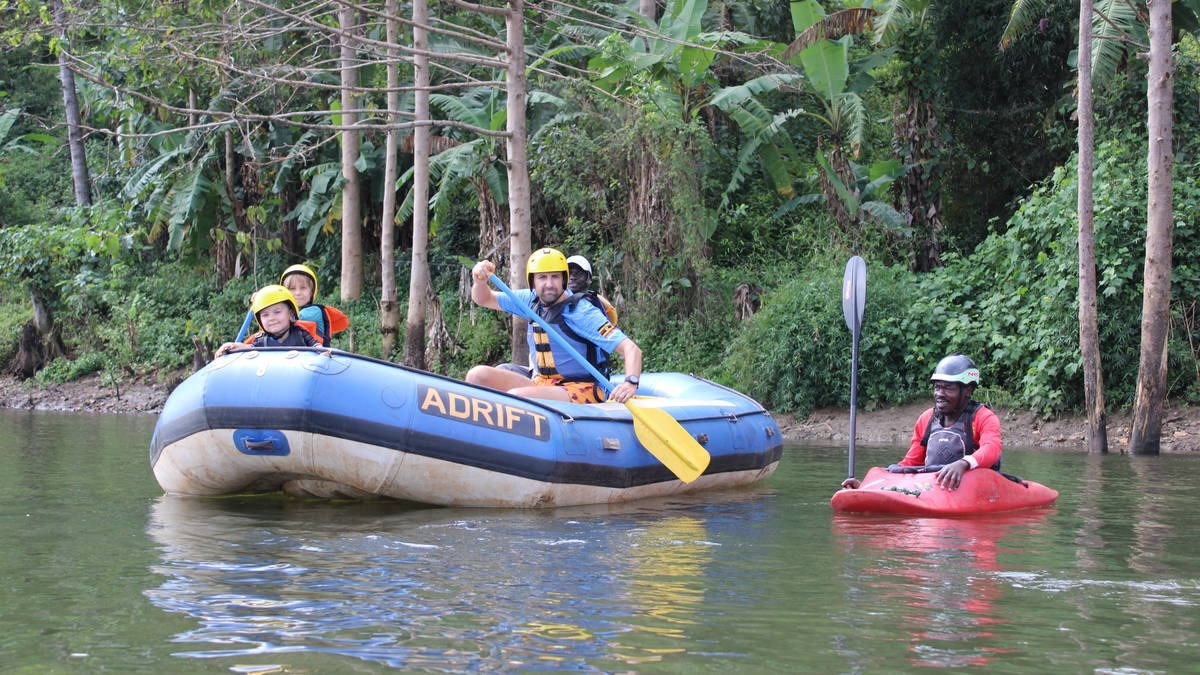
1117	30
886	214
835	26
848	119
187	202
296	155
462	109
148	175
766	146
6	122
1021	19
765	84
324	183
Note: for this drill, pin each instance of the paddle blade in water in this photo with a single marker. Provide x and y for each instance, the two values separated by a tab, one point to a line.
668	441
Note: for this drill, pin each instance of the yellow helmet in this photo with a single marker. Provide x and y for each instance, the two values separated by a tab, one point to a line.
546	260
271	295
301	269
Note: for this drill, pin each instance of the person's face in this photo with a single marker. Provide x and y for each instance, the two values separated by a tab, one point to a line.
301	288
578	280
947	397
276	319
548	286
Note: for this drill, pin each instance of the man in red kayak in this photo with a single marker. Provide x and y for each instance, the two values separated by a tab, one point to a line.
957	433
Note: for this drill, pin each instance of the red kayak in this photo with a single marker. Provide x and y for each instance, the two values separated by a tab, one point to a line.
982	491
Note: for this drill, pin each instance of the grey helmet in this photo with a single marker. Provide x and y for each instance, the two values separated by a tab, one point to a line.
956	368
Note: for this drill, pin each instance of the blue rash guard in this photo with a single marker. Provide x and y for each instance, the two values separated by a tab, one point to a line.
316	314
583	319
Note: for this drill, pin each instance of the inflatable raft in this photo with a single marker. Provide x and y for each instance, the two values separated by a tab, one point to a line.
982	491
322	423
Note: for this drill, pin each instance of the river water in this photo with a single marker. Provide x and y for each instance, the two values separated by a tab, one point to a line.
102	572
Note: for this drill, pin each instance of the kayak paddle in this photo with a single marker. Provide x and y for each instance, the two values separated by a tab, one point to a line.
660	433
854	303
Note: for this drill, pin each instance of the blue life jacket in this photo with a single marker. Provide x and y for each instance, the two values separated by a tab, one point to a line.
545	361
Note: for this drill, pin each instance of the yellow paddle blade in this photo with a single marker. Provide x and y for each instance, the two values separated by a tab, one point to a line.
668	441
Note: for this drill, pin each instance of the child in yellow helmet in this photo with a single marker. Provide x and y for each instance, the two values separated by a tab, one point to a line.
301	280
276	312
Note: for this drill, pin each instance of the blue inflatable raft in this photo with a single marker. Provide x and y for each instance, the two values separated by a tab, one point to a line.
314	422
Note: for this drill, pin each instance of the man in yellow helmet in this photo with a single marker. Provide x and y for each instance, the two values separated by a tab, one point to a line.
557	374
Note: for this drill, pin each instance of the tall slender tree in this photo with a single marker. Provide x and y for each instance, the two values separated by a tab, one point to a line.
517	144
418	283
1146	425
81	179
352	277
389	313
1089	326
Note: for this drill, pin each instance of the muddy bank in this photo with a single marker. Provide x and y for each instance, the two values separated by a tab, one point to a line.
892	427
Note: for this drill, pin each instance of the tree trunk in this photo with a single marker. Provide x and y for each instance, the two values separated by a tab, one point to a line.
916	137
1089	328
518	167
81	180
650	236
418	284
1152	368
389	310
40	341
352	274
836	156
224	242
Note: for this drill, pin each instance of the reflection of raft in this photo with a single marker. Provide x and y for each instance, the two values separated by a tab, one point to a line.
332	424
982	491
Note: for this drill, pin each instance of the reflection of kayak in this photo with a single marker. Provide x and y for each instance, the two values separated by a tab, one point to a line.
332	424
981	491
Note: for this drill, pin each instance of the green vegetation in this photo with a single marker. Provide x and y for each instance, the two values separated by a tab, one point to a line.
692	177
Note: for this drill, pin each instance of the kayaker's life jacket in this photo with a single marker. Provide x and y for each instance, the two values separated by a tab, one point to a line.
335	322
544	362
944	445
301	334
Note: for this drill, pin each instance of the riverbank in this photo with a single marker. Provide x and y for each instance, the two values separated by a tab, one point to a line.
891	427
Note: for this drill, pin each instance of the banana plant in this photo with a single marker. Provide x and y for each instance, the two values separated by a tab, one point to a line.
7	120
672	68
824	73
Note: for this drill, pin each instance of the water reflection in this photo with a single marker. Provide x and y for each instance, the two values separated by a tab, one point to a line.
939	577
447	589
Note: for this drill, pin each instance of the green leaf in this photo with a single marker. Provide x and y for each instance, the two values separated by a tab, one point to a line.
805	13
827	65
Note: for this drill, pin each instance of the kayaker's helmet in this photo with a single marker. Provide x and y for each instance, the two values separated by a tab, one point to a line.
301	269
956	368
580	262
546	260
270	295
579	273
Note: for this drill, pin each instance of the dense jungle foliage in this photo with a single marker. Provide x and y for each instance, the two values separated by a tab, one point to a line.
135	290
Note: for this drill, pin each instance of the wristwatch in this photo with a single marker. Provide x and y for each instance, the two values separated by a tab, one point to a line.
632	379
